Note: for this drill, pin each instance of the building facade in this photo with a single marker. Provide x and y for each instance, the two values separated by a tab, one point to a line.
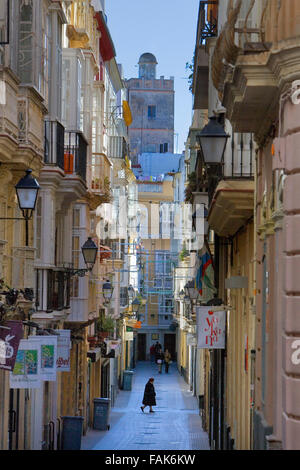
243	66
58	115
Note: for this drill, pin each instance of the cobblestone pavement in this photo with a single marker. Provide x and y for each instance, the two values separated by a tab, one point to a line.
175	425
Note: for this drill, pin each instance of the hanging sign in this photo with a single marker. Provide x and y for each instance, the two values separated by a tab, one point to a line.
26	372
48	356
210	328
128	336
63	351
11	333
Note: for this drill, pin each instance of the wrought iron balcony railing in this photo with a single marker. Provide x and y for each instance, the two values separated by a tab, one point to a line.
75	154
239	163
208	19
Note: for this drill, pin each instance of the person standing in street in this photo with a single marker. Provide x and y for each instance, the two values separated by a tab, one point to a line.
159	360
152	353
149	396
167	360
157	347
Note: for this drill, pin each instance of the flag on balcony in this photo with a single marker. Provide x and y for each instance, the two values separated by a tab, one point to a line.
127	113
204	279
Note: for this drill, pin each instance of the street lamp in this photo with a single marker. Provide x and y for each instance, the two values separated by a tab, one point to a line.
212	140
107	290
89	251
191	291
136	305
27	190
181	294
130	292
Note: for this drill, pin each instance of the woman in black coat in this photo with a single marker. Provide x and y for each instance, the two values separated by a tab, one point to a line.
149	395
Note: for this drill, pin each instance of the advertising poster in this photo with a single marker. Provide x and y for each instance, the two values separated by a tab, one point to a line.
63	350
11	333
48	356
26	372
210	328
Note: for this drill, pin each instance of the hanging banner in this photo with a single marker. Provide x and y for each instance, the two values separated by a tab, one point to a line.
26	372
210	328
63	351
11	332
48	356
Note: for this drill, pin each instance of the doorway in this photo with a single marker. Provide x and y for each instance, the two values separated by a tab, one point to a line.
105	381
170	344
141	346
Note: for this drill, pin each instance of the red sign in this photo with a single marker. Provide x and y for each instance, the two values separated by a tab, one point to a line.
210	328
11	332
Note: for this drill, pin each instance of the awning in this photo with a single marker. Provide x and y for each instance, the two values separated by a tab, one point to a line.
104	252
107	49
114	346
94	354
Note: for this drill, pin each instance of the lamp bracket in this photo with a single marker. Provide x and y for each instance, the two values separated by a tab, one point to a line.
78	272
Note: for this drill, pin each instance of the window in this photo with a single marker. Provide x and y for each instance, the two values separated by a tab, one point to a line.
26	45
76	218
164	148
151	112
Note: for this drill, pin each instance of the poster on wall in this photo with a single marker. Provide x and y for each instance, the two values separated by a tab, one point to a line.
48	356
210	328
11	333
63	350
26	372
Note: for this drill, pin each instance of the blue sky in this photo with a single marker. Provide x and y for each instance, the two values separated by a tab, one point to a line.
167	29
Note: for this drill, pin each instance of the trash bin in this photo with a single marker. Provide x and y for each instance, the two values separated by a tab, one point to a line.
101	414
127	379
71	432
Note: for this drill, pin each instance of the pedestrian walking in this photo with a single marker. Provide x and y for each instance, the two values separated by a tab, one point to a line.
159	360
167	360
152	353
149	396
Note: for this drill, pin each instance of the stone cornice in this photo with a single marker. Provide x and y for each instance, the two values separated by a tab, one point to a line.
252	94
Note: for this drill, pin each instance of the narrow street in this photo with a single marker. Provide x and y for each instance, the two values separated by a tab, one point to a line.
176	423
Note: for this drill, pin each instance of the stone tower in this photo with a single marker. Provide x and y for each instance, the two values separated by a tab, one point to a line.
147	66
151	101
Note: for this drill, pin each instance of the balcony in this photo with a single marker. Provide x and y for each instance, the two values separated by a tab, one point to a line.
52	290
100	176
207	20
261	68
117	147
54	144
75	154
231	187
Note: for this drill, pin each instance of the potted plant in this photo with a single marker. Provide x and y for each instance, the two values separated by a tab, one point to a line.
105	326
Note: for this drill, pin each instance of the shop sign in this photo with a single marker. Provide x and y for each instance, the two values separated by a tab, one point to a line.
48	356
129	336
11	333
26	372
210	328
63	350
